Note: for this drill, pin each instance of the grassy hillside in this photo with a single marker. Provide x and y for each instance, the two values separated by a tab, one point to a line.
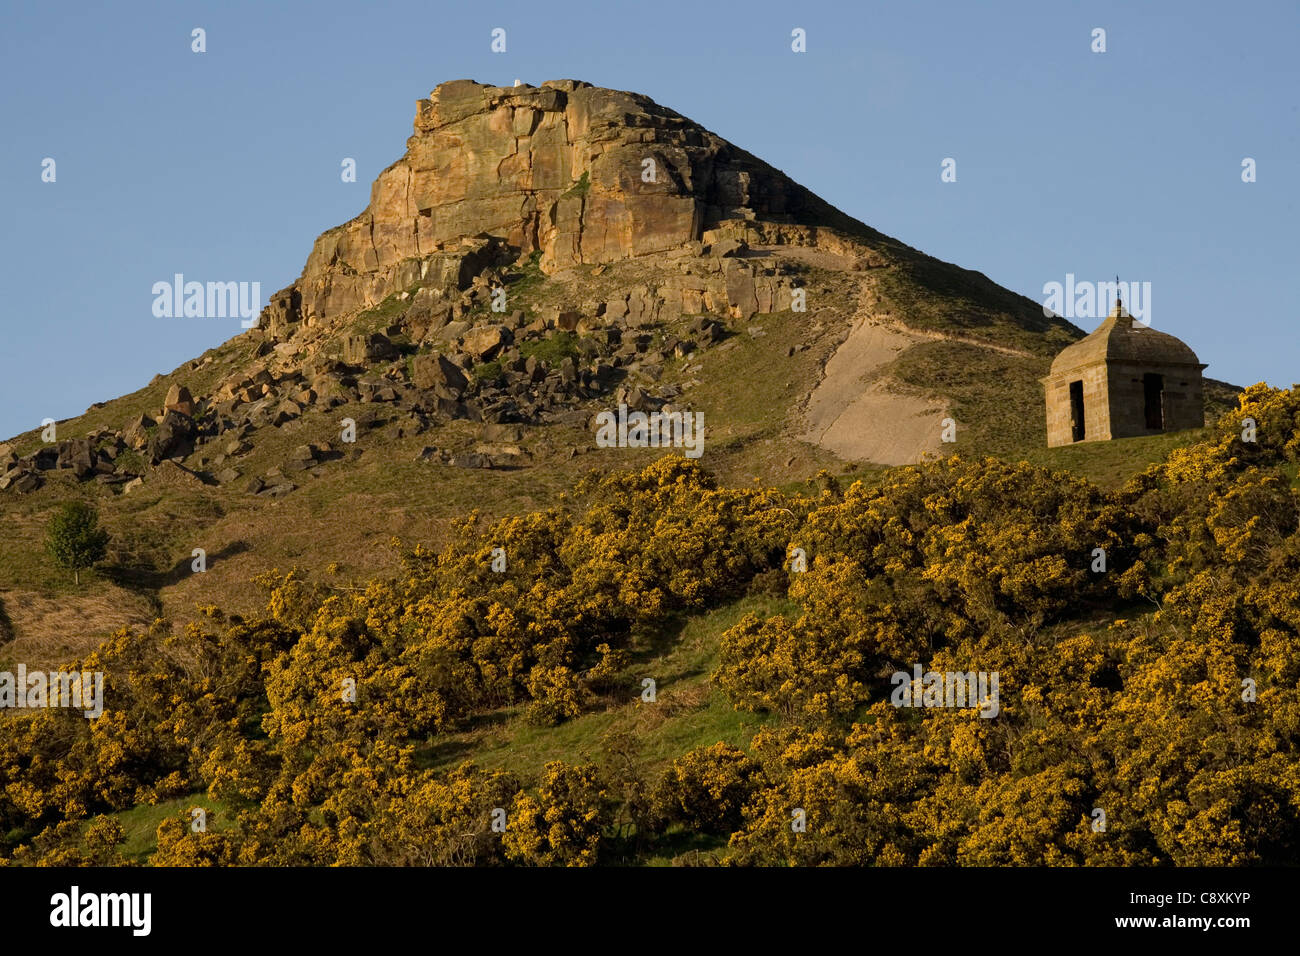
751	388
771	684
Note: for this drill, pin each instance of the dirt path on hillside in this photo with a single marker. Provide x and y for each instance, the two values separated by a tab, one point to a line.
853	414
966	340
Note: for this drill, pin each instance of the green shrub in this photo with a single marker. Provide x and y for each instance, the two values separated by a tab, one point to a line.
487	371
553	349
579	188
74	538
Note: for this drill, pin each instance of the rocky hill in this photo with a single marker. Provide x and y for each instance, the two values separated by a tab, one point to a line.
538	255
584	175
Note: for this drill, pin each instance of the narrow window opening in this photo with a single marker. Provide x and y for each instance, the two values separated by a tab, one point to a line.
1153	390
1077	430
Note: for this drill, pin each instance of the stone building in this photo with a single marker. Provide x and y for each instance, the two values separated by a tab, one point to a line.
1124	379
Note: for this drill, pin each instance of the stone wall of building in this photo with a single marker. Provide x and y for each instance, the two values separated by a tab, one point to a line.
1096	406
1114	400
1182	405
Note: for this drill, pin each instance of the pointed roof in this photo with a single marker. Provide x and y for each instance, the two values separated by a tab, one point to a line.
1120	339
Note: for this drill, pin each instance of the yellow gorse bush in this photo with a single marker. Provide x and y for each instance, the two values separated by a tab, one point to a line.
1161	694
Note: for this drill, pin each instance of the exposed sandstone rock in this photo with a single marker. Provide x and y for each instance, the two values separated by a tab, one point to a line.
286	411
728	247
436	371
451	332
173	438
364	349
428	313
585	175
483	344
179	400
77	454
471	460
136	435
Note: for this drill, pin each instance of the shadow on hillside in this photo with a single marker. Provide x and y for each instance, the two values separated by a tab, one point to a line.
444	753
148	577
648	645
488	719
438	750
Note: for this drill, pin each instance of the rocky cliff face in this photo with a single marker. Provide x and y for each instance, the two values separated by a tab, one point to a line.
585	175
536	256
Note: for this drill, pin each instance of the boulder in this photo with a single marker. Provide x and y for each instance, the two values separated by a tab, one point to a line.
502	433
367	348
428	313
371	390
471	460
173	438
483	343
512	453
26	483
742	295
78	454
645	306
451	332
179	400
727	248
708	330
433	371
616	310
285	412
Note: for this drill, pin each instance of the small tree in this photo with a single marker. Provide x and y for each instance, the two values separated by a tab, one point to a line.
74	538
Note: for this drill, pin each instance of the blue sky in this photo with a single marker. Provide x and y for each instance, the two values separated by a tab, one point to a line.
225	165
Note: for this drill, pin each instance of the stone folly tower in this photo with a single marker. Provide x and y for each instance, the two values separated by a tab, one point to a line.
1123	380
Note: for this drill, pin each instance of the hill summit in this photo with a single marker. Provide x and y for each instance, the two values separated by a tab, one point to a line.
540	260
582	174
